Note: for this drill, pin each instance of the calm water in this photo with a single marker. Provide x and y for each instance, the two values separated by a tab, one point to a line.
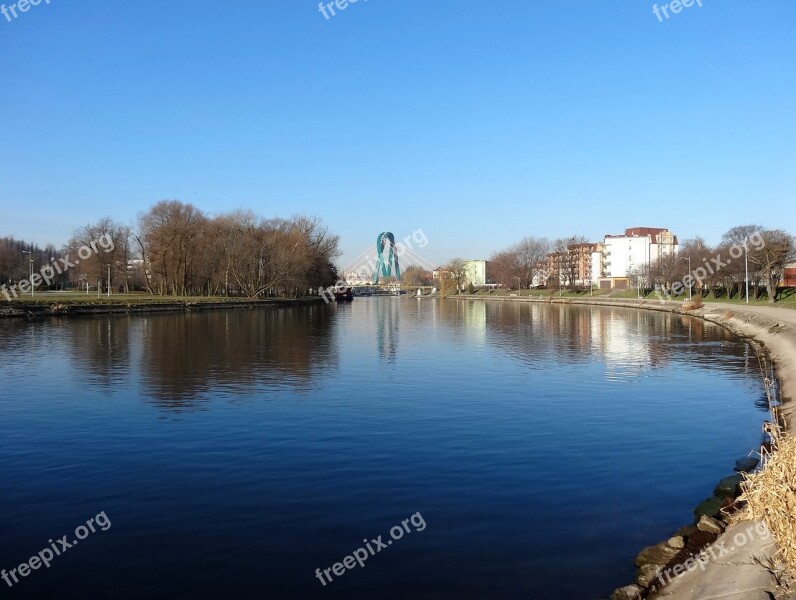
235	453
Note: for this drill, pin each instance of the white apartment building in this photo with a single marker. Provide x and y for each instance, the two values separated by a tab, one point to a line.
477	272
618	255
357	278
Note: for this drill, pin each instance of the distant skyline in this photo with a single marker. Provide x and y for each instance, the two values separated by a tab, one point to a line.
477	123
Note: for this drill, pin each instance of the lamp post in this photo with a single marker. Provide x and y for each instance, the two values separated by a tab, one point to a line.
746	276
30	280
517	277
689	274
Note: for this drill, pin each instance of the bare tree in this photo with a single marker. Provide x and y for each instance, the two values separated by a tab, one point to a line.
454	276
738	237
530	256
414	276
772	256
171	232
522	264
110	255
568	257
503	267
768	252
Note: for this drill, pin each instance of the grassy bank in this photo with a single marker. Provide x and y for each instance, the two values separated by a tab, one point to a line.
786	299
75	303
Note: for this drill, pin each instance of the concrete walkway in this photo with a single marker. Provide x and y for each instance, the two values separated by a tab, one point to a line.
736	575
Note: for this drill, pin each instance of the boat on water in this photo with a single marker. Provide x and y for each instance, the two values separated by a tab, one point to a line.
344	294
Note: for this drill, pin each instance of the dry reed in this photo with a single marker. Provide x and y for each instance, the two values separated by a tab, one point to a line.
770	493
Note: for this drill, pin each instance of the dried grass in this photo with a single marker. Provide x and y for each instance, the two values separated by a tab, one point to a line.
770	493
693	304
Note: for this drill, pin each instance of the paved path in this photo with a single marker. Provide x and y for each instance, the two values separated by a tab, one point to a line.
787	315
735	575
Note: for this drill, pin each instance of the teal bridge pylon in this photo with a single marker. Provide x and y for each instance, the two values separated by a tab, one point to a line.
386	267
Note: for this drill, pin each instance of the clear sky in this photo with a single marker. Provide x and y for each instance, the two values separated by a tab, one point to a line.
479	122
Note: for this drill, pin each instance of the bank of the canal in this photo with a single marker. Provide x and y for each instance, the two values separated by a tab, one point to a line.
741	575
52	306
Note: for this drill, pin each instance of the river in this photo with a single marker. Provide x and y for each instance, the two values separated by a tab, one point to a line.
521	450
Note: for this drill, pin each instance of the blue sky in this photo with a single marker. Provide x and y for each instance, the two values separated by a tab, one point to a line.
479	122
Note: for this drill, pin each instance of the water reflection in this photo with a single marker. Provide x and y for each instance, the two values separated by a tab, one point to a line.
628	341
387	316
180	359
102	347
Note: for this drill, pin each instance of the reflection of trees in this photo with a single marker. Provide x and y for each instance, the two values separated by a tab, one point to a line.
102	346
183	357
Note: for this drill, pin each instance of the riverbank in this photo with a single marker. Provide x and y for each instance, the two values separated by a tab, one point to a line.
741	575
60	305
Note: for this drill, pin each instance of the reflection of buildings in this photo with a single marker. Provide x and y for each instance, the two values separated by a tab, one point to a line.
627	341
619	338
474	317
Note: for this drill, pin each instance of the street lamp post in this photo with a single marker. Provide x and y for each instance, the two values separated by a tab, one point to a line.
746	276
30	280
689	275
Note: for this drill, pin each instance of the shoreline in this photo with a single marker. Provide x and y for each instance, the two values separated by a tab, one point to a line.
773	331
36	310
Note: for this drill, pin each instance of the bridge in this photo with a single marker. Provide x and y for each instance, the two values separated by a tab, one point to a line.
365	274
390	289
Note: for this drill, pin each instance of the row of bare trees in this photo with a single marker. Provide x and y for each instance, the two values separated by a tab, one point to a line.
751	251
415	276
522	264
528	263
720	269
114	257
177	249
16	257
